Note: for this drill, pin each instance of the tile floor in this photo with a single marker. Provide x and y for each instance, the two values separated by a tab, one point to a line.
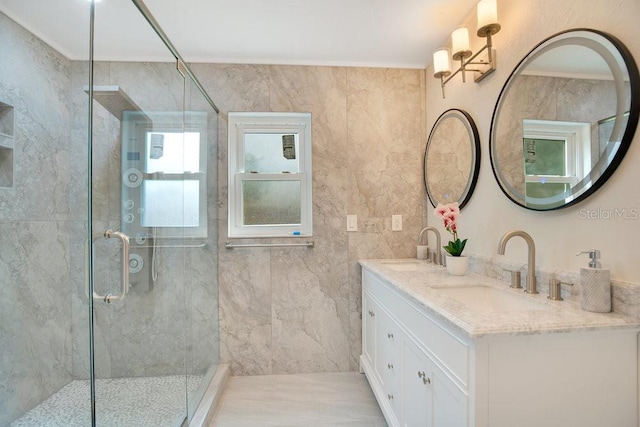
327	399
140	402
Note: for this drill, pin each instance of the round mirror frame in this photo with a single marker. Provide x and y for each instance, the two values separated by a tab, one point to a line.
625	142
474	146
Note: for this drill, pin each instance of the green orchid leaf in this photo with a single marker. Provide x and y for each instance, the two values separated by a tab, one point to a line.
455	248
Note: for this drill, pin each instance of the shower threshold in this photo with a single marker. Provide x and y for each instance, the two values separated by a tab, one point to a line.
143	401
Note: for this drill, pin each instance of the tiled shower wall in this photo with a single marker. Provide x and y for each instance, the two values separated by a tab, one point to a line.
43	304
36	220
297	310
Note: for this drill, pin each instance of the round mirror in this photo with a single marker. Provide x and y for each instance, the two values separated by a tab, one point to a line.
452	158
564	119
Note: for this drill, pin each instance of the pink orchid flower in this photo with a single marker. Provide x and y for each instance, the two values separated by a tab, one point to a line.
449	214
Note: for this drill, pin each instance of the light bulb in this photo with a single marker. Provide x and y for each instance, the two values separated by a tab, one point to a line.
460	43
487	17
441	63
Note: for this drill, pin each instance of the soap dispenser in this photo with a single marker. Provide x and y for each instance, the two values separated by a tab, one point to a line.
596	284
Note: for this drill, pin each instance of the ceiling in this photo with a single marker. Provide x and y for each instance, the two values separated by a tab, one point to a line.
377	33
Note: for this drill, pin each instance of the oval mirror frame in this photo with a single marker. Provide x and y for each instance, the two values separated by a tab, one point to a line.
606	156
453	149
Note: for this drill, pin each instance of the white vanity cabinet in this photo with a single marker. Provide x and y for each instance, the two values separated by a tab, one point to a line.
427	371
412	381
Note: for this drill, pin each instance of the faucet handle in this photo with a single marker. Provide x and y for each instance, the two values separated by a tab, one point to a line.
594	255
555	287
515	279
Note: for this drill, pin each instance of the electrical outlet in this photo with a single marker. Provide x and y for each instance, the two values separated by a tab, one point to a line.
352	222
396	222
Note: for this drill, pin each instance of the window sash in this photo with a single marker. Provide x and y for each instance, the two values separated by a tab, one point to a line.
271	230
268	123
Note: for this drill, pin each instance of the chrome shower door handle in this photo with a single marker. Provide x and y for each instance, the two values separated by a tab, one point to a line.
124	290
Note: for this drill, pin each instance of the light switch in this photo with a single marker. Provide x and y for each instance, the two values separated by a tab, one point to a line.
352	222
396	222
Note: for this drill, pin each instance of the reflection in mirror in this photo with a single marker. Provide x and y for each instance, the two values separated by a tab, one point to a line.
452	158
564	119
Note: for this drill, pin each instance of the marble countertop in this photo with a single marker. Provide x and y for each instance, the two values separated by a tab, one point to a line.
419	281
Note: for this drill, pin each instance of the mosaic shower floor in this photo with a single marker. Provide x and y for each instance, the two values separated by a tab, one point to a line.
120	402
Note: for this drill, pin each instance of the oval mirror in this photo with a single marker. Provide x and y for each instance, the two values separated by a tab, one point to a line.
452	158
564	119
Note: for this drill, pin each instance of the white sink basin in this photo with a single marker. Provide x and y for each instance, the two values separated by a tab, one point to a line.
485	299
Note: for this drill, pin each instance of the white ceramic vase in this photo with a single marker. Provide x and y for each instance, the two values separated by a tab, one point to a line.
457	265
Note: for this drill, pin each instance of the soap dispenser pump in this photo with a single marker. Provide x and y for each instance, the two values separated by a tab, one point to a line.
594	255
596	284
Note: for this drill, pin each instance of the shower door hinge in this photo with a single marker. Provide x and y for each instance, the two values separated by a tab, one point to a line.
181	67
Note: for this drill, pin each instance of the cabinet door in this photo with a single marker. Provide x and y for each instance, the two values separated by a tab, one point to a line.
368	328
415	386
388	359
430	398
448	402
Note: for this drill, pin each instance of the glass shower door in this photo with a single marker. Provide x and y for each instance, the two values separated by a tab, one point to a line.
138	270
95	152
140	157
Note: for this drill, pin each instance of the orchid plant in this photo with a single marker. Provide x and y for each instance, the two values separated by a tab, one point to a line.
449	214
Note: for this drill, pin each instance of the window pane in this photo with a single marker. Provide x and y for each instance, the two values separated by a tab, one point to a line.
544	190
271	152
271	202
173	152
544	157
162	203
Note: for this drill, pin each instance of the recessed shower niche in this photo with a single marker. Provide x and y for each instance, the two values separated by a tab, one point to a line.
6	145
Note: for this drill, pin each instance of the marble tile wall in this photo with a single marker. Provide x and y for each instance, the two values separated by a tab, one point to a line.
35	225
297	310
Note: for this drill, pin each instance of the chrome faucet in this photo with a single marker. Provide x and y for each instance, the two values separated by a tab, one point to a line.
531	268
438	242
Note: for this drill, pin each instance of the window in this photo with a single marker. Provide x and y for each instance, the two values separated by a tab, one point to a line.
270	175
556	156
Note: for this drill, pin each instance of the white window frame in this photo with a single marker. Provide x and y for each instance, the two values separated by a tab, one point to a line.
577	137
241	123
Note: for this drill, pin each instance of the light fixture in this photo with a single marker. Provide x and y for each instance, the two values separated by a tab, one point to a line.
484	61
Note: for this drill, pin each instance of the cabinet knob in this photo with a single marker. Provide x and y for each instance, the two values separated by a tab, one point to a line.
370	313
420	374
389	365
389	335
390	396
426	380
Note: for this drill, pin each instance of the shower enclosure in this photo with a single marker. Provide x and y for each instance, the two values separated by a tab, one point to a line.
108	236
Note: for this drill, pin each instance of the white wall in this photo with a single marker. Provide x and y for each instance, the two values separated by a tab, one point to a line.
558	234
